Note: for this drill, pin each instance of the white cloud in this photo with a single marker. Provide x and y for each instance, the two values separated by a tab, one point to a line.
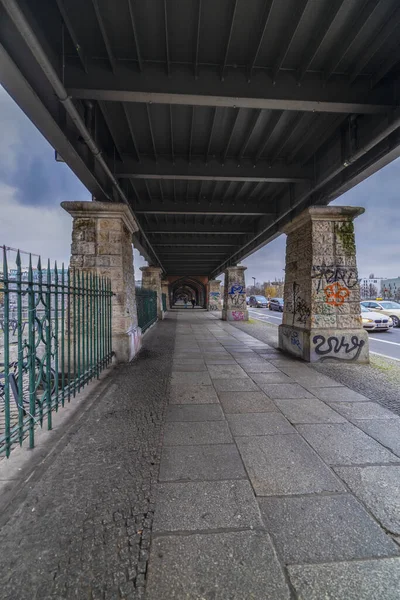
45	230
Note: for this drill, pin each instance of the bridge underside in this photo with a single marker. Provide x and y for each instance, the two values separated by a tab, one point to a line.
214	122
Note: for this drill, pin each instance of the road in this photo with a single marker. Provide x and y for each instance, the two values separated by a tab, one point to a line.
384	343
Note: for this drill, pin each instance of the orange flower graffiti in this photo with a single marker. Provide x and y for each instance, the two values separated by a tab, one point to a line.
336	294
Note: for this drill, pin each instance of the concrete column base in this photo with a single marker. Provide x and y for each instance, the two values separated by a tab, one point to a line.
312	345
127	345
235	315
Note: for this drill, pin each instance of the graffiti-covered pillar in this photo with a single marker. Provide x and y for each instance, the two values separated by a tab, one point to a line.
214	295
235	307
151	280
321	317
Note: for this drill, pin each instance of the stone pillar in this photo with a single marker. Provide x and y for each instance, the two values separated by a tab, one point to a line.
321	317
102	244
235	307
165	290
151	280
214	295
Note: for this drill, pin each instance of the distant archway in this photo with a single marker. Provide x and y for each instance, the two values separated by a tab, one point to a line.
187	287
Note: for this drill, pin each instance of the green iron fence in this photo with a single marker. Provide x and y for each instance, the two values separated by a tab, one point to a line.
164	302
55	336
146	302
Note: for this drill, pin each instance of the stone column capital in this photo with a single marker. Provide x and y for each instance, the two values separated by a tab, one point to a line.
236	268
102	210
215	281
151	269
323	213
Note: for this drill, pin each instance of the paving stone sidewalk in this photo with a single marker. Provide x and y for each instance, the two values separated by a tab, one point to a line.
276	482
82	528
273	482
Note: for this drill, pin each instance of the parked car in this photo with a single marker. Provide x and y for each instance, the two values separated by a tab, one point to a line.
247	300
372	321
276	304
258	302
386	307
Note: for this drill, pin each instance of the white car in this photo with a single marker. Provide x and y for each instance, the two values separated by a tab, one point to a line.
374	321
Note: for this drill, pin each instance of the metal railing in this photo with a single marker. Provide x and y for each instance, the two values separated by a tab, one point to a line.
55	337
146	302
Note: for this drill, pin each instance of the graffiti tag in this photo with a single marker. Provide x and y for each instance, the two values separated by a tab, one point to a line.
237	296
336	294
300	309
293	336
236	288
331	274
334	346
238	315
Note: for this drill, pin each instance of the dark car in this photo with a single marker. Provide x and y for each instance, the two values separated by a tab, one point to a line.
276	304
258	301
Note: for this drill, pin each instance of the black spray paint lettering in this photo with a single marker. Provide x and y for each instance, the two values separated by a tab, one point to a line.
332	274
334	346
301	311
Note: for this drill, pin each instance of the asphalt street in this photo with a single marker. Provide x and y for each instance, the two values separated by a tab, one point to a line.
384	343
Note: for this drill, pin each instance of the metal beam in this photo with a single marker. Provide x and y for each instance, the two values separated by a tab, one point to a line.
269	130
171	124
72	33
318	39
250	132
135	35
206	244
196	59
211	134
228	42
191	135
196	171
292	30
267	13
151	131
385	67
166	38
209	252
104	34
198	232
130	127
205	211
359	21
184	89
366	54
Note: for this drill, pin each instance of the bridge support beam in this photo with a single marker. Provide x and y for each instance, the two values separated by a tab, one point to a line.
321	317
151	280
102	244
235	307
214	295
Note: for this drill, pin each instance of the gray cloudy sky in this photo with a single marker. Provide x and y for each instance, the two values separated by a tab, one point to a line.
32	185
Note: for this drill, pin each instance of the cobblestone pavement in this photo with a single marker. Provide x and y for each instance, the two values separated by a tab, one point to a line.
380	380
276	481
83	530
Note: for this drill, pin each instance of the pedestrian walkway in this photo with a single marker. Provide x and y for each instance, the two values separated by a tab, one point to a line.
273	484
211	468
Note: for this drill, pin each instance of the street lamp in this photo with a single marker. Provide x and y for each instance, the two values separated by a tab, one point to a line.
254	285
